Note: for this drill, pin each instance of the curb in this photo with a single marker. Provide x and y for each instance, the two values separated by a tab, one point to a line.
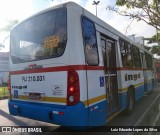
5	97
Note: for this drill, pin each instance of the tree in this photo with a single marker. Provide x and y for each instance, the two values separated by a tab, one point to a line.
154	39
9	25
144	10
156	48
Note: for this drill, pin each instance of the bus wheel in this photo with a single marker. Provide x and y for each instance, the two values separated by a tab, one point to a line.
130	101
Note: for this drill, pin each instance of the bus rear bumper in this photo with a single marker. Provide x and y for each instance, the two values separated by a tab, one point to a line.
68	116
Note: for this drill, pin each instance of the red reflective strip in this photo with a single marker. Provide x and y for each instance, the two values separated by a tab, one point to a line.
61	113
55	69
70	67
41	70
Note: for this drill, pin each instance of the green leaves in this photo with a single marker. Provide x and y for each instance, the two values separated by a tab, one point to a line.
141	10
154	39
121	2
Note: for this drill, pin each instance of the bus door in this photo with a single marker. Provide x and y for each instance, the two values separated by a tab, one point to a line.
109	58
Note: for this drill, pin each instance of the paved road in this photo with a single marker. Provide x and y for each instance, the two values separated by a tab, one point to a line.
139	108
121	120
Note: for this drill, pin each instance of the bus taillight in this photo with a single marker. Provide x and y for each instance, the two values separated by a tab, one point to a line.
73	91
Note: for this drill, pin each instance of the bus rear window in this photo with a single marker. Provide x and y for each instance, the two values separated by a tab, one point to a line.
40	37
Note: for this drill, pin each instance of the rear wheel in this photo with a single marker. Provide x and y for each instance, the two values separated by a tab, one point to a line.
130	101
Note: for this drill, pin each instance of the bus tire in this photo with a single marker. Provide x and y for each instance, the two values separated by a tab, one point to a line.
130	101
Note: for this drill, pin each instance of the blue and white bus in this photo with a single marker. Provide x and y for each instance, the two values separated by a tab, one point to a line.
70	68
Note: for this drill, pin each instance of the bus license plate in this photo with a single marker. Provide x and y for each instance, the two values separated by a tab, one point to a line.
34	96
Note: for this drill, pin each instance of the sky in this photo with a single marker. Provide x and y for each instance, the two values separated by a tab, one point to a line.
21	9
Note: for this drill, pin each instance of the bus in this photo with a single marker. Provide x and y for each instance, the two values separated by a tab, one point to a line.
69	68
158	72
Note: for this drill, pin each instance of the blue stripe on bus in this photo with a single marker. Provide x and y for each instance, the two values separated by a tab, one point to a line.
122	100
97	114
76	115
149	86
139	92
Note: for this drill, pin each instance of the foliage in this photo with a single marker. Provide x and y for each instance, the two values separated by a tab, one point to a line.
154	39
154	49
145	10
142	10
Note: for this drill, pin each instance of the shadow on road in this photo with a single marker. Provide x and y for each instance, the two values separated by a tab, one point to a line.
11	118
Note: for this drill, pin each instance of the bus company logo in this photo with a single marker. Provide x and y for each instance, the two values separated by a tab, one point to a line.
101	79
134	77
15	93
6	129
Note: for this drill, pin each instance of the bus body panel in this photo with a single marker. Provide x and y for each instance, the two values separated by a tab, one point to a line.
96	98
47	113
50	81
55	73
149	79
25	85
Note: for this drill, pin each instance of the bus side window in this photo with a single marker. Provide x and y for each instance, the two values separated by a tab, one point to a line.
90	41
149	62
136	57
126	54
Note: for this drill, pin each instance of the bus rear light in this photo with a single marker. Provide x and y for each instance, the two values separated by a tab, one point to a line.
71	79
71	99
73	89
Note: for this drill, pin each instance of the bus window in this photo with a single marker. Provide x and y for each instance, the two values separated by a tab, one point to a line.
90	42
36	39
126	54
149	62
103	47
136	57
